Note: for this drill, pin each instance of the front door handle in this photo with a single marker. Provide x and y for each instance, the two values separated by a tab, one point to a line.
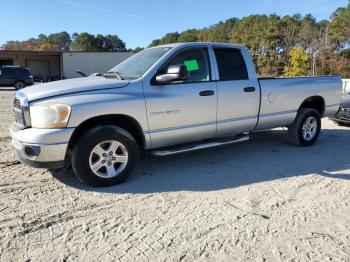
249	89
206	93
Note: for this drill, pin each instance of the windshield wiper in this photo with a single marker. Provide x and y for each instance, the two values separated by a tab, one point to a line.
118	75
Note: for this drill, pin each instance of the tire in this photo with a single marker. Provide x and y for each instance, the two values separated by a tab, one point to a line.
19	85
306	127
93	150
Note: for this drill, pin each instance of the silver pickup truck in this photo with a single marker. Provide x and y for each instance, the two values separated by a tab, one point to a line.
164	100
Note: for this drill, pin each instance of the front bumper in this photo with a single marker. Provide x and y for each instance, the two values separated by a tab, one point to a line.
42	148
41	156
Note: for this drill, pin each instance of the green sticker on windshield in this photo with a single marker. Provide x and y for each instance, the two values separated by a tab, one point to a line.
191	65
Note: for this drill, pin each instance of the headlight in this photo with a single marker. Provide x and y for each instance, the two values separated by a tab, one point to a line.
49	115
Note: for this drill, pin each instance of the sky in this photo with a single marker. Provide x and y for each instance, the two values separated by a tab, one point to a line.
138	22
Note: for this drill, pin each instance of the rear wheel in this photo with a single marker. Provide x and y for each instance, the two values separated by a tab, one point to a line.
105	156
19	85
306	127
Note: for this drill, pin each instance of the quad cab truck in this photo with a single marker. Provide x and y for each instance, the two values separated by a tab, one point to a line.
164	100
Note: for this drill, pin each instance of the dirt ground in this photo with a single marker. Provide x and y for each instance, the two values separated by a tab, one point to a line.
263	200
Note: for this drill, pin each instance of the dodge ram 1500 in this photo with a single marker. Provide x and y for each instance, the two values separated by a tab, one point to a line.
166	99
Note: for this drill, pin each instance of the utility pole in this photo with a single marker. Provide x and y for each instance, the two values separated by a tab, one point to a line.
314	61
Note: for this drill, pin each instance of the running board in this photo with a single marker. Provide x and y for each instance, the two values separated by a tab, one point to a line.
193	147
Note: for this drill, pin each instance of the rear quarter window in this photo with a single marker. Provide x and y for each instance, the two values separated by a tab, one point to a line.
231	64
26	72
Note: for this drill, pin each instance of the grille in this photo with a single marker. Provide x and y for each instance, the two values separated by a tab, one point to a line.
18	112
17	103
19	118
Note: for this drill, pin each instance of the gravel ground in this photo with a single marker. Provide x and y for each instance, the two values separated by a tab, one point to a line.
263	200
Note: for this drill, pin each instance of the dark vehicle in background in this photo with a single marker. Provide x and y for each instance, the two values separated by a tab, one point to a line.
343	115
16	76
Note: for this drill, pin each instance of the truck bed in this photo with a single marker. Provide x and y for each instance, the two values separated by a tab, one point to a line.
281	97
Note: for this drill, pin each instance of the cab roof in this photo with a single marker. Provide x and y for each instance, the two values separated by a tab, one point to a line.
189	44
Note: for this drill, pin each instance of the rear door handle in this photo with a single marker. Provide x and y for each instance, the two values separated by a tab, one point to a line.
249	89
206	93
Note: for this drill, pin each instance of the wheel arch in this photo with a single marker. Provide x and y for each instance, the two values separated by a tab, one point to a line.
315	102
126	122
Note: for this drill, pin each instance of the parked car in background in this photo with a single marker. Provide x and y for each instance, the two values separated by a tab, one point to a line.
167	100
16	76
343	115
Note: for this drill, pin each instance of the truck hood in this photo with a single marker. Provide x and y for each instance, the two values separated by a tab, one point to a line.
62	87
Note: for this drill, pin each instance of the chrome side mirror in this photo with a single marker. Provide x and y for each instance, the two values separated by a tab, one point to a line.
174	73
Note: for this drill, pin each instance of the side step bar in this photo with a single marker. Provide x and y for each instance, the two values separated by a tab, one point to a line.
192	147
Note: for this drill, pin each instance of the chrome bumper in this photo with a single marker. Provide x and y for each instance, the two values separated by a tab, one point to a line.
41	154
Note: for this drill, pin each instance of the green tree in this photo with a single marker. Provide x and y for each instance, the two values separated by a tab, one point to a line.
84	42
190	35
220	32
113	43
137	49
262	36
339	27
169	38
155	42
290	27
299	64
307	31
89	42
61	40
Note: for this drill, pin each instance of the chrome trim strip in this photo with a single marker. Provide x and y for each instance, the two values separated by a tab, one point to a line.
181	127
279	113
237	119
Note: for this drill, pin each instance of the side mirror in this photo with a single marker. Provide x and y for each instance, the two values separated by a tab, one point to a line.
174	73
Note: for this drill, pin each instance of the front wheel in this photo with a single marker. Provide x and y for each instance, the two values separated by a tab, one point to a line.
306	127
105	156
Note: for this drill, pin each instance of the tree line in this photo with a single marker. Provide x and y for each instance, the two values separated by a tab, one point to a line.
62	41
291	45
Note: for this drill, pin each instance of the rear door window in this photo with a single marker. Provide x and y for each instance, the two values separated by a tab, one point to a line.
231	64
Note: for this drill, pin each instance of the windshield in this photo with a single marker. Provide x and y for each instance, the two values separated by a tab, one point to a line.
135	66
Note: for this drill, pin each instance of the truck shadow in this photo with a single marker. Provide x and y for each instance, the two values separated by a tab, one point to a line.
266	157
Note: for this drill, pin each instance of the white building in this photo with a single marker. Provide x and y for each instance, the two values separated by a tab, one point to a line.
90	62
54	65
